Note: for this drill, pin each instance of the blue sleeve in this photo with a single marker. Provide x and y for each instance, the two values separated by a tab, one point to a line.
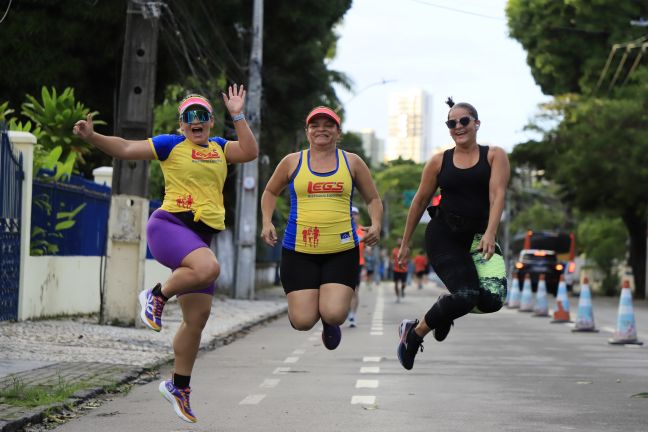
163	144
220	141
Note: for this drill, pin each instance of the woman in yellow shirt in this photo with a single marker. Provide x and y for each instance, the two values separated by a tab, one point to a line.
320	257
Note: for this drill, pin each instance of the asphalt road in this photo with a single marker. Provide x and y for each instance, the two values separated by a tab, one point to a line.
500	372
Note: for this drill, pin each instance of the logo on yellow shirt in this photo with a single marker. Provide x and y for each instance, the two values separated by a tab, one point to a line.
310	236
208	155
325	187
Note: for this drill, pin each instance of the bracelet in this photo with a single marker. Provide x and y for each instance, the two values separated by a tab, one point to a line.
238	117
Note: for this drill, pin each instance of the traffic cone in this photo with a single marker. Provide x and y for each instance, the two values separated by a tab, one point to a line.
561	314
526	300
585	317
514	297
626	331
541	308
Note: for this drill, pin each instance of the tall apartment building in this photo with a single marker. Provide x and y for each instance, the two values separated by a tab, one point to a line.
373	147
410	118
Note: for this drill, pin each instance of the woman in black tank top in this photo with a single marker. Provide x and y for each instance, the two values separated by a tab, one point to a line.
460	238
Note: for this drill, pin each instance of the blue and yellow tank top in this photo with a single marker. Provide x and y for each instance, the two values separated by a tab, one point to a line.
320	208
194	176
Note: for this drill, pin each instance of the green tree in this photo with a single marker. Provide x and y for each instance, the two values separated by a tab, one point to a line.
393	180
538	217
595	148
568	41
603	241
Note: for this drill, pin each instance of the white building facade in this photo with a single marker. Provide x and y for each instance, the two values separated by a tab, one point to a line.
410	126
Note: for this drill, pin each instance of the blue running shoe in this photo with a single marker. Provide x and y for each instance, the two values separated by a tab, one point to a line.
179	398
151	312
331	336
409	344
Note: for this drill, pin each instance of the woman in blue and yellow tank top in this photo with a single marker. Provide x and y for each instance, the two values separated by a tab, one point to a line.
319	261
180	231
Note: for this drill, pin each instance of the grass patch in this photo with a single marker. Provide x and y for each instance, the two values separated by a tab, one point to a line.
20	394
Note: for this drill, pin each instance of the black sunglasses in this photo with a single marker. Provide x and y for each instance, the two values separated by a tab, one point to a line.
465	121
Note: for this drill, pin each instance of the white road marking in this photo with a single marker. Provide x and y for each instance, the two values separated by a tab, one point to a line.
371	359
298	351
269	383
366	384
370	369
373	333
252	399
291	360
281	370
363	400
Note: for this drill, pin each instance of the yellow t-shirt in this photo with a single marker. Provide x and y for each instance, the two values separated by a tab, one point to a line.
320	208
194	176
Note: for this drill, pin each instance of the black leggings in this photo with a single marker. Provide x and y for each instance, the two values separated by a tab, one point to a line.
449	255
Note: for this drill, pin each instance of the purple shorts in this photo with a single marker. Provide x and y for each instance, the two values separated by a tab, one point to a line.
170	241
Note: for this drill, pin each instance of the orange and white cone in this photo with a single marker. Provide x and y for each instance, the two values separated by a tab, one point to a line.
514	297
626	330
526	300
561	314
585	317
541	308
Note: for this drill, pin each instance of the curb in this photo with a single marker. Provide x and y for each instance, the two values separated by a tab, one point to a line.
36	415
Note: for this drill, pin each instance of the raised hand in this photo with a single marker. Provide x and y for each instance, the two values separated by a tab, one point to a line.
235	99
84	128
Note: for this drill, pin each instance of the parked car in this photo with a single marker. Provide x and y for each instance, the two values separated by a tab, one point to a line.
535	262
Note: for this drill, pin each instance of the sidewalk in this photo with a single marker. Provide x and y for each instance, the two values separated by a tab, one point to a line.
79	350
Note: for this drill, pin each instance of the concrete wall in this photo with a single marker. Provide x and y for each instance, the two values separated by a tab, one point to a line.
70	285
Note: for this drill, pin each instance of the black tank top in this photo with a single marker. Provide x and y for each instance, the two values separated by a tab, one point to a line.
464	192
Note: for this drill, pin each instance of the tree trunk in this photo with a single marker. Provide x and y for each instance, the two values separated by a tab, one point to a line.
637	230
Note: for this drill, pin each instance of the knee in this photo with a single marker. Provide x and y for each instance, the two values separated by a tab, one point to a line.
335	318
301	324
208	272
490	304
197	320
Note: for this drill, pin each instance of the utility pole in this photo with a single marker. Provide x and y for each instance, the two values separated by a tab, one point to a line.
126	249
248	177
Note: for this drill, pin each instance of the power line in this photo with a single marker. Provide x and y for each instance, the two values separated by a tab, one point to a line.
458	10
6	12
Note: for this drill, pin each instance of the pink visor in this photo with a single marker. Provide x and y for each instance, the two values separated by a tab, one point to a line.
325	111
194	100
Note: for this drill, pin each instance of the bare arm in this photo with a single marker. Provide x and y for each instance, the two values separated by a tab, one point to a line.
114	146
500	173
367	188
277	183
420	202
246	148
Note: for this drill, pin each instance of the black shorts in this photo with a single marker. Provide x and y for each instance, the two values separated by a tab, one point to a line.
421	273
309	271
400	276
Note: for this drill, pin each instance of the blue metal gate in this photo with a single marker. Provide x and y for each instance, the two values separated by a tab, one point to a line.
11	181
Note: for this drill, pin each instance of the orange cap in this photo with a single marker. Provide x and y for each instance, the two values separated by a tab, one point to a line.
325	111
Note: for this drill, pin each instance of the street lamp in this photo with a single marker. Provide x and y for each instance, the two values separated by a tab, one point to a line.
362	90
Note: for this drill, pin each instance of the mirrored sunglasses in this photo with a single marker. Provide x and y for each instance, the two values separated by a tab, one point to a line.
201	115
465	121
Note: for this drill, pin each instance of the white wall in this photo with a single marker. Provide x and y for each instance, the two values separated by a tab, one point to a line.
69	285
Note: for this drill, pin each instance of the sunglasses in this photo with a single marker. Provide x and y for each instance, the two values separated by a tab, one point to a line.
465	121
201	115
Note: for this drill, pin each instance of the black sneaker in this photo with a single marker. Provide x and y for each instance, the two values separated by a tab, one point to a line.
331	336
409	344
441	332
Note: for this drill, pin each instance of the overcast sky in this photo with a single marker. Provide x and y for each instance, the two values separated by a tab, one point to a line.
464	53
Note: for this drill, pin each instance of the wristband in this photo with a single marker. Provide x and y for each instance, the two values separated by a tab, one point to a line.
238	117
